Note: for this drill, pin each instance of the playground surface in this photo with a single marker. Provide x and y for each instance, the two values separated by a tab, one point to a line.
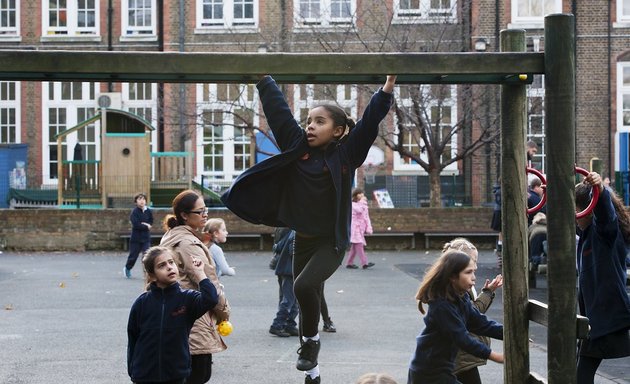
63	319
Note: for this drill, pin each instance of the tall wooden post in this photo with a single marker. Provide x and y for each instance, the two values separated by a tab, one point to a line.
560	142
514	221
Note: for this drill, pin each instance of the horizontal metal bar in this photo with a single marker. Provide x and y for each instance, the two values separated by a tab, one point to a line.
189	67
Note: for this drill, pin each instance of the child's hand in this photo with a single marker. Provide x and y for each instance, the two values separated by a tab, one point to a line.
496	357
389	84
198	269
594	179
497	282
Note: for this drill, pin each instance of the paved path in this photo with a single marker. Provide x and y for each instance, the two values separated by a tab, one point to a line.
63	319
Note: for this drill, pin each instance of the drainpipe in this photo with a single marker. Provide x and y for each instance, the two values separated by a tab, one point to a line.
611	166
110	43
182	87
160	90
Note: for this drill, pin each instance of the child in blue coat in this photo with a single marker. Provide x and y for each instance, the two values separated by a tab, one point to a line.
450	319
161	318
307	188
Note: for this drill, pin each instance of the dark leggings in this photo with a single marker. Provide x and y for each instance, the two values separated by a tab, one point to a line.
324	306
314	261
201	369
586	368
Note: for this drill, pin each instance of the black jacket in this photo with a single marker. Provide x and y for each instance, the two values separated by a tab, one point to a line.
159	325
255	195
139	232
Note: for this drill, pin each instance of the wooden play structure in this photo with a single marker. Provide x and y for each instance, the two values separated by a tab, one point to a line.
512	69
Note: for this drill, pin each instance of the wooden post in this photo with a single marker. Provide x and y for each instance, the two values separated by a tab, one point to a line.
514	222
560	140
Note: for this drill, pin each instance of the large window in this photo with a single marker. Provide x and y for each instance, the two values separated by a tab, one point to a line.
70	18
424	11
623	11
323	13
221	14
532	12
139	18
9	112
9	19
435	107
141	99
225	138
65	104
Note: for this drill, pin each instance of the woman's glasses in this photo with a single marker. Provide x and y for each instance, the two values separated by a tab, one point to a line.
203	211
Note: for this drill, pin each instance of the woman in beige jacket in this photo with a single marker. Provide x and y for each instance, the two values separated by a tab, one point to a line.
183	236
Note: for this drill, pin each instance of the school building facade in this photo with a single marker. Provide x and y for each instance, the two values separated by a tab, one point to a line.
220	123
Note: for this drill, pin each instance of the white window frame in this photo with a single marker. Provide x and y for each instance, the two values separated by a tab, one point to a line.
71	107
325	19
229	19
10	32
424	13
622	89
247	99
133	33
622	19
72	29
6	104
128	104
400	167
536	21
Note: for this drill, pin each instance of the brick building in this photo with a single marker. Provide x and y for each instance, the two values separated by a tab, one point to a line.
218	121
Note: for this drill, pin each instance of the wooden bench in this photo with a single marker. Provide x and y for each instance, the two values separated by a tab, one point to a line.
453	234
157	235
410	235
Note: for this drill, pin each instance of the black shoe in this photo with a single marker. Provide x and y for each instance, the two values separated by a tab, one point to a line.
351	266
280	332
368	265
329	326
292	331
308	352
308	380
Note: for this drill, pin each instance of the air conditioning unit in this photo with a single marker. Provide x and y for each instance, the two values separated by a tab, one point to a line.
110	100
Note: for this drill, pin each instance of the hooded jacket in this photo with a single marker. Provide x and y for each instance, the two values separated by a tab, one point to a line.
256	195
204	337
159	324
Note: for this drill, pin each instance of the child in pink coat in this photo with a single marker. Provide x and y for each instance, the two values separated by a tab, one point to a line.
361	225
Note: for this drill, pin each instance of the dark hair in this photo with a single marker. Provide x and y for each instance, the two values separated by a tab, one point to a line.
583	198
148	260
356	192
339	117
437	281
182	203
139	195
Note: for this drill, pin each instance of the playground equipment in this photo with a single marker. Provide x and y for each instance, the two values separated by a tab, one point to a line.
505	68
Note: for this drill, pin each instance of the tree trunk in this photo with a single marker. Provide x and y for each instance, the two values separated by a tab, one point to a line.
436	188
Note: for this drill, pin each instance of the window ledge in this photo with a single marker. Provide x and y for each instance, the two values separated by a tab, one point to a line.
527	25
328	28
401	20
220	29
10	38
66	38
621	24
135	38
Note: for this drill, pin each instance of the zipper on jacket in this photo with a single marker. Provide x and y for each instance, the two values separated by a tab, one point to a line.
160	340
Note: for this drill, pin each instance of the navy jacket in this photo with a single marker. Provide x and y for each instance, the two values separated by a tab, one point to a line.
601	261
255	195
139	232
446	331
284	247
159	325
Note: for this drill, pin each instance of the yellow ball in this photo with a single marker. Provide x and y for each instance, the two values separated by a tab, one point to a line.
522	76
225	328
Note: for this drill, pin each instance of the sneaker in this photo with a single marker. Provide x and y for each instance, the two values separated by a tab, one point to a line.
280	332
308	380
329	326
368	265
292	331
351	266
307	355
127	272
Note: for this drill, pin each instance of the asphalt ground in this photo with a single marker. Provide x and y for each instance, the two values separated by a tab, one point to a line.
63	319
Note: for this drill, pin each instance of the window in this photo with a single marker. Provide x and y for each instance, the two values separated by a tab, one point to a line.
141	99
226	13
139	18
9	112
532	12
225	136
9	18
430	105
324	12
65	105
71	17
623	11
308	95
409	11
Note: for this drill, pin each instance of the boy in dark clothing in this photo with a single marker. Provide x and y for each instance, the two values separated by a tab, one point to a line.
161	318
284	324
141	221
